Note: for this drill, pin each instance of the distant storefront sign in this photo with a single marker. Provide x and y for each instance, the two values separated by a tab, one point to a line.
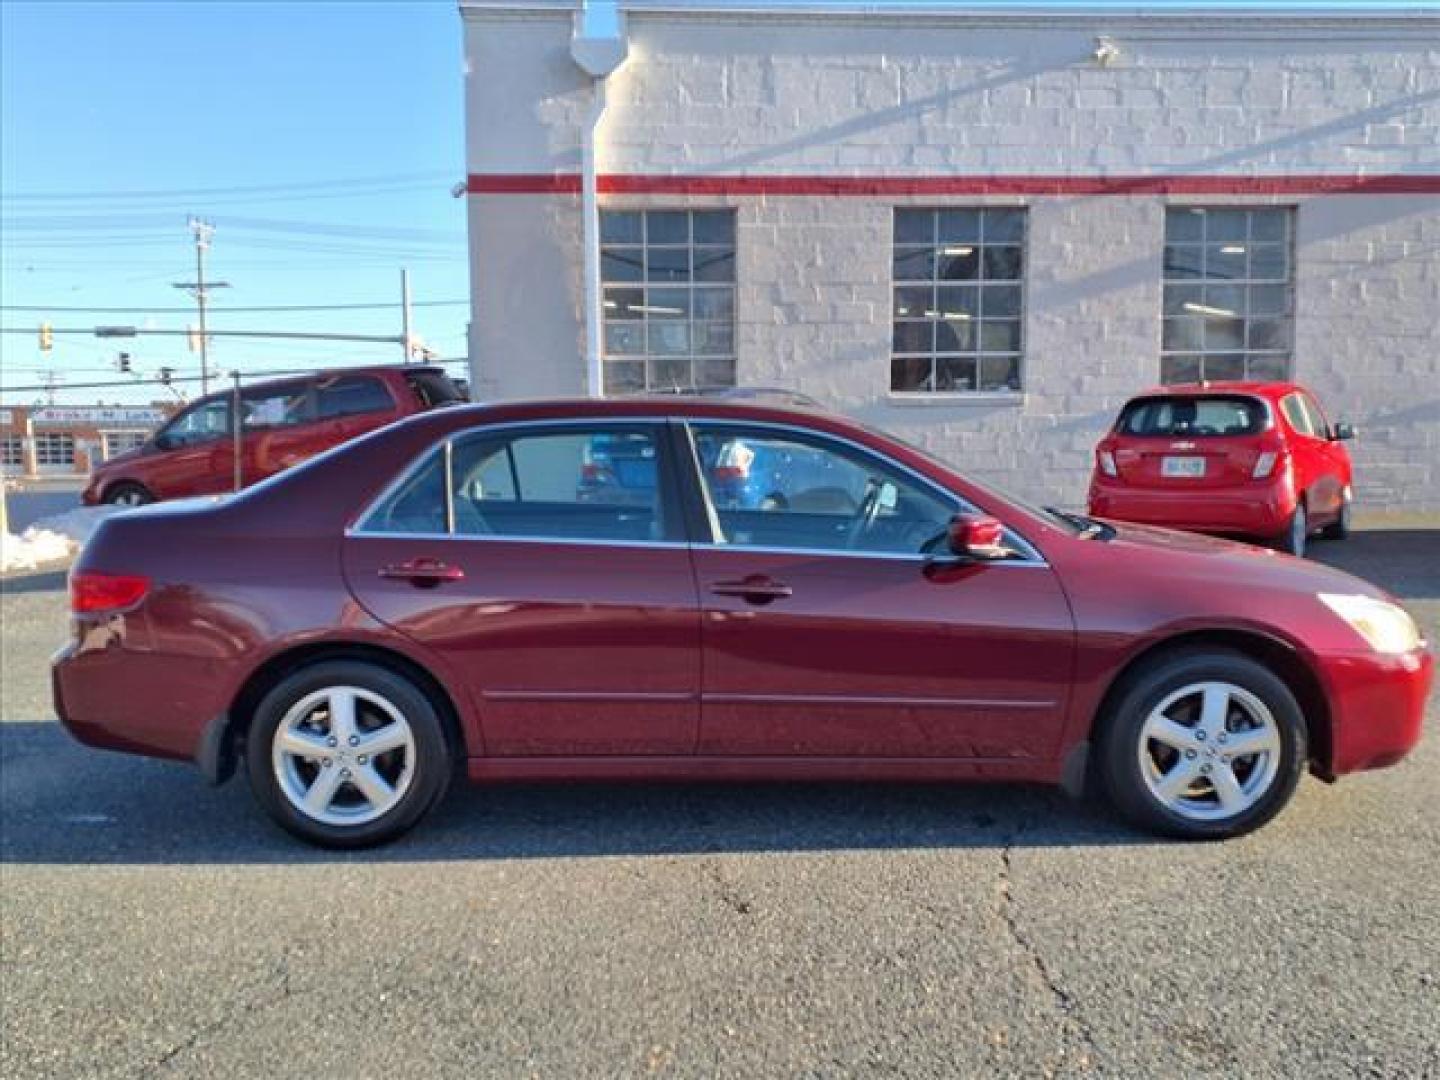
98	416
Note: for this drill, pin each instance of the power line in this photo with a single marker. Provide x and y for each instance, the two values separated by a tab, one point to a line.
268	373
378	306
250	189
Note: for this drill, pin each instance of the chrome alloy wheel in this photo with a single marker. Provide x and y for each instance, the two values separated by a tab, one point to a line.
1209	751
129	497
343	755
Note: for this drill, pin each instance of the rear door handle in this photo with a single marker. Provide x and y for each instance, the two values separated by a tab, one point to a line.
756	589
423	573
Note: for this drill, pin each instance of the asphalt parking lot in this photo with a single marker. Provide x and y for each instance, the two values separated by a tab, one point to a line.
154	926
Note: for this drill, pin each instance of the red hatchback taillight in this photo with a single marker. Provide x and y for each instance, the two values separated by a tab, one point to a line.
92	592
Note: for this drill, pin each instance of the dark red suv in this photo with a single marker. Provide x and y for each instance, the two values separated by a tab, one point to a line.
282	422
455	592
1254	459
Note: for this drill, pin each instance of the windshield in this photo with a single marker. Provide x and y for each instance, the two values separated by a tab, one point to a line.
1067	521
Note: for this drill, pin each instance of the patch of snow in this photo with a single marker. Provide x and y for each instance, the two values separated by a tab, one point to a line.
52	539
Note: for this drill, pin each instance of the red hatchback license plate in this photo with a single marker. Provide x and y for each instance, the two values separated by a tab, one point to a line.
1183	467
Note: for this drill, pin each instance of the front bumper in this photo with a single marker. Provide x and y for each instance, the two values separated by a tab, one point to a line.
1239	511
1377	707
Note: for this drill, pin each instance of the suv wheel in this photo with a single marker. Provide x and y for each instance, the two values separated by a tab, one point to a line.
347	754
128	494
1203	746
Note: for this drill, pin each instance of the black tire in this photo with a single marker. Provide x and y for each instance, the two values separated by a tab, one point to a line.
1292	540
429	774
1119	749
1340	528
127	493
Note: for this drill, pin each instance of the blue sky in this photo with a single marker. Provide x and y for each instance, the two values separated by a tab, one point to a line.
321	138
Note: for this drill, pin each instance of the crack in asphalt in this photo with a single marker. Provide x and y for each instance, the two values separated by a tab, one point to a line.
726	891
1064	1001
268	995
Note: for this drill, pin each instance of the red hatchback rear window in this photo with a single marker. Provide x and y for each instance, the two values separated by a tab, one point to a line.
1171	417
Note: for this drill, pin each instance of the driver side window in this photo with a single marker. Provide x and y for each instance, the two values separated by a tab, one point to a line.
784	490
205	421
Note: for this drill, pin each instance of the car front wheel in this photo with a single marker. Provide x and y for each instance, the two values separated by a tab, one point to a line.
347	754
128	494
1203	746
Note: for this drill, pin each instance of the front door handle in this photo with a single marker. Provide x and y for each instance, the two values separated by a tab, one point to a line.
755	589
423	573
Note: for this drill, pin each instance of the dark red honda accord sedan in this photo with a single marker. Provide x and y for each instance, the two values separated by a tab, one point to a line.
703	588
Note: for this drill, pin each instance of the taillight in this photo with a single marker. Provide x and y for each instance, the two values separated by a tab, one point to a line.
1107	463
92	592
1264	465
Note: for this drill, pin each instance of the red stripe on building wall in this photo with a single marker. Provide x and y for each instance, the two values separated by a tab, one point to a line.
657	184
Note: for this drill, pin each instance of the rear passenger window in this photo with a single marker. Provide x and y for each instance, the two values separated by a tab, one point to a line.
574	485
1295	412
350	395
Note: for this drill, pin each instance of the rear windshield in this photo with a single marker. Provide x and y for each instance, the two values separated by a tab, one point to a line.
434	388
1168	417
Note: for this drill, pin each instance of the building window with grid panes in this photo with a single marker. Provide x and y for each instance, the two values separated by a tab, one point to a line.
959	303
669	299
54	448
1229	297
12	452
119	442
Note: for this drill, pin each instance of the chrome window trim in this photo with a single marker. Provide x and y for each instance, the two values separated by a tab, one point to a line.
1033	558
1029	556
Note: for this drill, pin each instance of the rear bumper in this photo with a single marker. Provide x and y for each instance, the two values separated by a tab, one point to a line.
1377	707
137	702
1259	511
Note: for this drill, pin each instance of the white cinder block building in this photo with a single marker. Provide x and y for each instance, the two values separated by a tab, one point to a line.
981	230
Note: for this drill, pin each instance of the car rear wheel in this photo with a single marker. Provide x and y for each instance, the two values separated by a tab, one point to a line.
1203	746
1292	541
128	494
347	754
1339	529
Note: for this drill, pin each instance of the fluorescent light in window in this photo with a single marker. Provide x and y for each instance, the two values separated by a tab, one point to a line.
961	315
957	251
1233	249
904	311
652	309
1206	309
611	304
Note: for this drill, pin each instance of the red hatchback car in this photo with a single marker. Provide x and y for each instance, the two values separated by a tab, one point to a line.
282	422
453	592
1249	459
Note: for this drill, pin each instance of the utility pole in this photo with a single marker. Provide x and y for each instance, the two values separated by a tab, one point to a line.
406	343
200	289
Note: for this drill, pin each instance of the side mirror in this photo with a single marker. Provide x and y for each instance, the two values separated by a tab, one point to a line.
1342	431
976	537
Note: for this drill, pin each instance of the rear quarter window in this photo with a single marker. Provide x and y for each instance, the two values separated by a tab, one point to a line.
434	388
1191	417
351	395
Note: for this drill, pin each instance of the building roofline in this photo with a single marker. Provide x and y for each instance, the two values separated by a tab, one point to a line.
983	11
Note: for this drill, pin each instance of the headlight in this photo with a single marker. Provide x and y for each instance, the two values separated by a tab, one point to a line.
1387	627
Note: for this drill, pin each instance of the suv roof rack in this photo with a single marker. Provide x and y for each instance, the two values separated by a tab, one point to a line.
774	394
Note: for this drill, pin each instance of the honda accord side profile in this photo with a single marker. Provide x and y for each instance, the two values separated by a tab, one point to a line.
454	594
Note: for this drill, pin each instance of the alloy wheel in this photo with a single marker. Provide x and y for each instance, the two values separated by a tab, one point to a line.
343	755
1209	751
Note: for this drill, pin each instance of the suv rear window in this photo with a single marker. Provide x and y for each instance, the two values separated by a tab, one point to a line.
434	388
1169	417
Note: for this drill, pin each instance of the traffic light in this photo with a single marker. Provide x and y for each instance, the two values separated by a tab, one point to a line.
124	363
192	336
166	374
47	337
